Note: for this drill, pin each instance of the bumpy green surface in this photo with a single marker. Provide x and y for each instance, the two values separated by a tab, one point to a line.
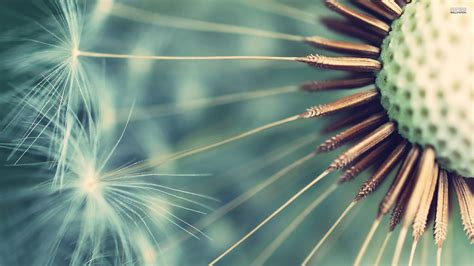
427	80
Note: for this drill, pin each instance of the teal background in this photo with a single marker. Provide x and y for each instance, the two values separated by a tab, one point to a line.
239	166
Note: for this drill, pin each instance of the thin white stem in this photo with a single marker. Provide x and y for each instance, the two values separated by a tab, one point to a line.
271	216
242	198
328	233
250	193
399	247
367	240
181	58
439	251
425	250
154	162
382	248
268	252
412	252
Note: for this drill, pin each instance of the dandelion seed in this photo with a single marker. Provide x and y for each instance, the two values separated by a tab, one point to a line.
49	53
413	205
415	116
97	207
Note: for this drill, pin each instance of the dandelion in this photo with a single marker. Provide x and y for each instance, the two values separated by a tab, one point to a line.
408	118
45	52
400	127
425	160
100	214
80	201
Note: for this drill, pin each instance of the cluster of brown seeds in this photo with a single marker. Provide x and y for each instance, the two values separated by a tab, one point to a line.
419	182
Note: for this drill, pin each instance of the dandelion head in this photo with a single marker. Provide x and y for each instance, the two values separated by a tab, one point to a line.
89	183
43	64
74	57
415	118
101	214
402	116
426	58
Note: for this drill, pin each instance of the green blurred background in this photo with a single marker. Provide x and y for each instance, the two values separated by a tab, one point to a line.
242	165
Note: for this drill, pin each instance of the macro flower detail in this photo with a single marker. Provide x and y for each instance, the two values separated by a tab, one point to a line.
423	82
419	94
79	202
84	134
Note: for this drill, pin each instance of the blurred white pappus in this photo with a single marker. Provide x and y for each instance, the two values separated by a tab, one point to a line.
100	213
58	139
44	61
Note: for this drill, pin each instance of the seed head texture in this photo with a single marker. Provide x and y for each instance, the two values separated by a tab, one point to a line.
425	81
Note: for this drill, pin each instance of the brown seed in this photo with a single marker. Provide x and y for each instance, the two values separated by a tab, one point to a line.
341	46
401	205
374	9
374	181
466	205
390	6
338	84
404	172
348	28
350	101
352	132
366	161
421	216
355	64
423	180
380	134
441	220
354	116
369	22
403	3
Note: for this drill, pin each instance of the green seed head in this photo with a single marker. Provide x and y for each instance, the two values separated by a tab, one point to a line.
427	79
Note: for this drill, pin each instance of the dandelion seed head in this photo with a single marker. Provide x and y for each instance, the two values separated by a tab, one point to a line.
106	214
48	51
425	83
74	57
89	182
101	214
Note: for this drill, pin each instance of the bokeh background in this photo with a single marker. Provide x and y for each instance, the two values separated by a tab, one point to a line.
168	118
